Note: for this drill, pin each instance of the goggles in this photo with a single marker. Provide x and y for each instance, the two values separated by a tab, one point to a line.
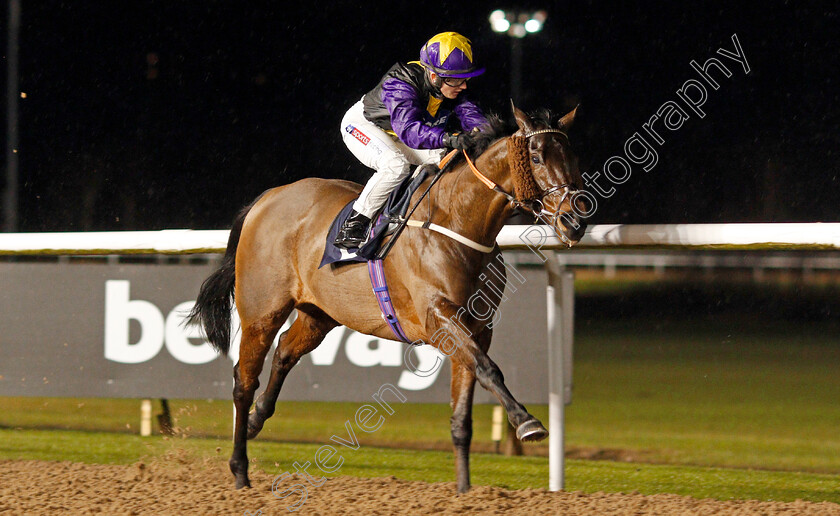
454	82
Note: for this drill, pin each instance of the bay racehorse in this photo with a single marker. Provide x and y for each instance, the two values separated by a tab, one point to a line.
271	268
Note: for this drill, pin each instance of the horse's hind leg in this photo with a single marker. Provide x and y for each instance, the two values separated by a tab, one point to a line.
254	345
305	334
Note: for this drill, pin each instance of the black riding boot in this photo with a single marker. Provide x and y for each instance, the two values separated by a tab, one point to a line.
353	232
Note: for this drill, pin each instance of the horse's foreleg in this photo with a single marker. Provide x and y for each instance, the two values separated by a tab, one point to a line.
467	351
252	351
463	387
305	334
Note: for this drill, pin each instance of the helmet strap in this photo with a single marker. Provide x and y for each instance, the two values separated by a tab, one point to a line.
437	82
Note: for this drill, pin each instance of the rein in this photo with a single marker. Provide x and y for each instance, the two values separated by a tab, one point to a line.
487	181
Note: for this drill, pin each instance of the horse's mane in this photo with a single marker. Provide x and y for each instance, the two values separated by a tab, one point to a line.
525	186
498	128
494	130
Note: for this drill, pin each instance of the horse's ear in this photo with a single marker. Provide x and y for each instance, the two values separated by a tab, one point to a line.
568	118
522	120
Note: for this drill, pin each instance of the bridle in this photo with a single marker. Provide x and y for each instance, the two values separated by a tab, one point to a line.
535	206
565	190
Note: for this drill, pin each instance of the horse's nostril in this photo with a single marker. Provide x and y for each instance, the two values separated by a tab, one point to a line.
575	228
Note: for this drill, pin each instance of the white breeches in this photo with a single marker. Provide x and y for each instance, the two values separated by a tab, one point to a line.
390	158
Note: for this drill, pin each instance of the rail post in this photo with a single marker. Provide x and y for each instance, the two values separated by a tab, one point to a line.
560	297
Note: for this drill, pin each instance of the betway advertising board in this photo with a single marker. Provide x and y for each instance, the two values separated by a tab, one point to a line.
115	330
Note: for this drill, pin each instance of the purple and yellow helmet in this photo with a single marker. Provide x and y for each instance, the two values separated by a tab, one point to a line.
449	54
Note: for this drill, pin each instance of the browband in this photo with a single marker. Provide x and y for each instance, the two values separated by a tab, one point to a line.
541	131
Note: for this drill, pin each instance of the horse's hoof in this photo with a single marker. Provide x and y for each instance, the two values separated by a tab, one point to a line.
239	468
254	427
253	432
531	430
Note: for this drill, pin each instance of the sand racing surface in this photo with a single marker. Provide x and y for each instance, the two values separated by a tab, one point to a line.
183	486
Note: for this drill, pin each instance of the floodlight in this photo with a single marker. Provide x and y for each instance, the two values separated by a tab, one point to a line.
533	25
498	21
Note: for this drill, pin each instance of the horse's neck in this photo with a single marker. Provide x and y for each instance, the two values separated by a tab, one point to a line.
468	206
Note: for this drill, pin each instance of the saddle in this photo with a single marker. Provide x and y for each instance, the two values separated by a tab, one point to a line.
382	225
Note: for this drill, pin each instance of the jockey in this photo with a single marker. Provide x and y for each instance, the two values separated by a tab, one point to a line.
403	122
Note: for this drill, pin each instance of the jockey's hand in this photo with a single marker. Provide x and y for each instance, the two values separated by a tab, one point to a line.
458	141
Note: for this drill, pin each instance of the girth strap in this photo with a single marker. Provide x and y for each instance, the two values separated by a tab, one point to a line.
383	297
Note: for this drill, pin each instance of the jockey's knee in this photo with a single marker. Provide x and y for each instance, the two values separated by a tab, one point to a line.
434	157
395	168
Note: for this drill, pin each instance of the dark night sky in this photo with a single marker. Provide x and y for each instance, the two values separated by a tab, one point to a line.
169	114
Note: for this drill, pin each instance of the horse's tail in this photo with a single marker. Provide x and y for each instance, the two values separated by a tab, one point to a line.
212	309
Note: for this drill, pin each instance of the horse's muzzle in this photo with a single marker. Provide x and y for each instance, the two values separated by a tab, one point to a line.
570	227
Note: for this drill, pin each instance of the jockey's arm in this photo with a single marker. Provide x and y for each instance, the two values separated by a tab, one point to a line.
407	116
470	116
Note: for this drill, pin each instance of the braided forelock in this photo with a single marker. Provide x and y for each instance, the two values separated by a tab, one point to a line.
542	117
524	185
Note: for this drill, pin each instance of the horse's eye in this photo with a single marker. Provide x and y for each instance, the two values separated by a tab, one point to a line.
535	160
